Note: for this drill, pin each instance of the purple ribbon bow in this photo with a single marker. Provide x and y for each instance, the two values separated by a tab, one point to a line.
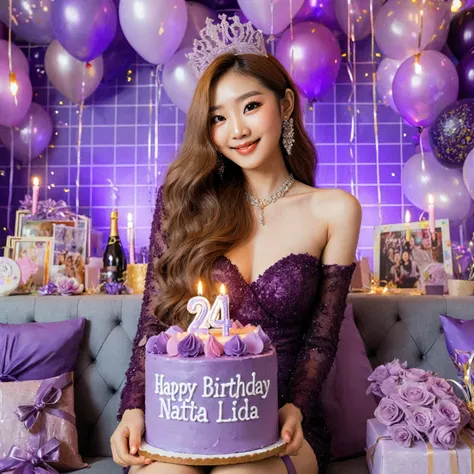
32	461
49	393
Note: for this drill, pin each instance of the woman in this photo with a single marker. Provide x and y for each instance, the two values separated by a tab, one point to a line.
395	270
287	264
409	274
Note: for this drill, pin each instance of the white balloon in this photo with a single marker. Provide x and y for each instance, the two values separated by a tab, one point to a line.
468	173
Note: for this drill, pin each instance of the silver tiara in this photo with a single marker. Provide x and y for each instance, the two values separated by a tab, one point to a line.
222	38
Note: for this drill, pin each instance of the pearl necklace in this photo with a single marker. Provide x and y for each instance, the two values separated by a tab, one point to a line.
261	204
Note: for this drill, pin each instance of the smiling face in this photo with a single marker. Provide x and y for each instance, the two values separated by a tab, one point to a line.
246	120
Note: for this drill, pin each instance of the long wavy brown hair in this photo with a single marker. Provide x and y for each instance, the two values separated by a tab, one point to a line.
206	216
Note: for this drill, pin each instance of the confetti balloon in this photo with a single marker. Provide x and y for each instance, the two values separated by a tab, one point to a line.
451	133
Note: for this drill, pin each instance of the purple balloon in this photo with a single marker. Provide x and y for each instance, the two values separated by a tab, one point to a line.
360	20
423	86
385	73
85	28
12	110
451	133
31	136
465	70
461	33
3	31
154	28
397	27
451	199
19	60
33	19
197	15
316	57
468	173
118	57
321	11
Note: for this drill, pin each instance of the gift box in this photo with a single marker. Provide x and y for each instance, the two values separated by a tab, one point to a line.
385	456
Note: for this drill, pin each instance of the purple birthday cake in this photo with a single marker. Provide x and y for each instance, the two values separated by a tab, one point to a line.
211	395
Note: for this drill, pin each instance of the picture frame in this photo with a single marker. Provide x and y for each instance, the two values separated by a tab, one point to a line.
37	249
19	218
69	251
411	263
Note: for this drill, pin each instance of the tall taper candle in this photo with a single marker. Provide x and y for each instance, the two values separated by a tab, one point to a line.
407	221
34	206
131	238
431	213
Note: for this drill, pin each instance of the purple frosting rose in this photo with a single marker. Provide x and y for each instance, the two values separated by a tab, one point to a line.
403	434
213	348
235	347
444	436
157	344
173	330
421	418
254	343
416	393
446	412
264	337
388	412
190	346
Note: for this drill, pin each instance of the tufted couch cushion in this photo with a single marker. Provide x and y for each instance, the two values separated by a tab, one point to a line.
406	327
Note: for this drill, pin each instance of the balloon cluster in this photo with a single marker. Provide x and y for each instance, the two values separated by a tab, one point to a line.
417	78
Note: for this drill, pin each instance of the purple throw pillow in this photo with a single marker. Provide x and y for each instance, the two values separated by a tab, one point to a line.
346	405
35	351
459	336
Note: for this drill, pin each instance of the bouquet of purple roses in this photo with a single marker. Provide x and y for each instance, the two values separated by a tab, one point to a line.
417	405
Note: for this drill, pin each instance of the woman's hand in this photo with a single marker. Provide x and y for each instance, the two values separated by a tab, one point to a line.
127	438
290	418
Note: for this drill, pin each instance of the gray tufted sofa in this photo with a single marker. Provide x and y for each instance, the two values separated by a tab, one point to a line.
407	327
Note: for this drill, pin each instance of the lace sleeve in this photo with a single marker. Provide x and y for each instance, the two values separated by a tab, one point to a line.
133	393
319	350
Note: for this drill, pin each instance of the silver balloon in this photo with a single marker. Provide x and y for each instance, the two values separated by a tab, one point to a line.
197	15
75	79
31	136
385	74
179	80
451	198
359	19
468	173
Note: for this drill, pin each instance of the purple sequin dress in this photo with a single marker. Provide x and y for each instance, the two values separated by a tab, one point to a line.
300	304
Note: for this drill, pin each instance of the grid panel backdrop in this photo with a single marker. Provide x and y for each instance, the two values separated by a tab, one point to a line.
118	144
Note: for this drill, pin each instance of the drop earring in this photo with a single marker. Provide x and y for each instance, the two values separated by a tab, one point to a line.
220	165
288	135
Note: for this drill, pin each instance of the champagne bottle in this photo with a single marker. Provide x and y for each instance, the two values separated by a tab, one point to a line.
115	262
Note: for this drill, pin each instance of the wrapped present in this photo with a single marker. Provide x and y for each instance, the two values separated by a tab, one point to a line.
385	456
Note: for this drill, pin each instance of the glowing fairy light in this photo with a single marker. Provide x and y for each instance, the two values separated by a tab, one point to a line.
456	6
13	84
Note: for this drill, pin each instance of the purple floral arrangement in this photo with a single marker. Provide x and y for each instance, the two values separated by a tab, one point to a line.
47	209
417	405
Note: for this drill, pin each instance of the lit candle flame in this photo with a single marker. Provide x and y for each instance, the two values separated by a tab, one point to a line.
407	217
36	181
200	288
222	289
430	199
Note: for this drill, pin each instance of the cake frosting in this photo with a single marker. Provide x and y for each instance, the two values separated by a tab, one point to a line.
211	394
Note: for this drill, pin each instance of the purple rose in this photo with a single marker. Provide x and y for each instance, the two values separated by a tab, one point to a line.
446	412
374	388
395	368
421	418
403	434
190	346
389	385
388	412
157	344
444	436
415	375
416	393
379	374
49	289
440	387
235	347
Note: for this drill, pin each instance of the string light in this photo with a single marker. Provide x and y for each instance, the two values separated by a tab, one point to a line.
456	6
13	84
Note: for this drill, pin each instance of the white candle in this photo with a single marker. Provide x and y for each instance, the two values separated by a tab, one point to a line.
407	221
131	238
200	306
221	307
431	213
34	207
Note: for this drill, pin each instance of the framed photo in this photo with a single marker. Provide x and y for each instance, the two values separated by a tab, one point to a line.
68	255
407	254
20	217
37	249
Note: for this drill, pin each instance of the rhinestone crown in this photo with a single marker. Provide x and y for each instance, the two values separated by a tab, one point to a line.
222	38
